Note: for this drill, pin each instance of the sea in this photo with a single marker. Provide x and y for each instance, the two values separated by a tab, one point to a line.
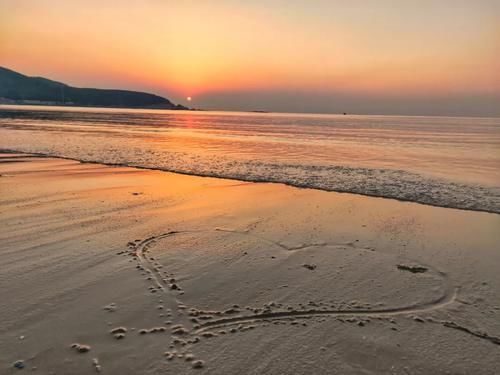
441	161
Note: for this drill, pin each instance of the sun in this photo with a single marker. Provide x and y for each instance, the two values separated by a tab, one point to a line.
188	98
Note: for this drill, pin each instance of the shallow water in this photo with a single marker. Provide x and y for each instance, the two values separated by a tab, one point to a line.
443	161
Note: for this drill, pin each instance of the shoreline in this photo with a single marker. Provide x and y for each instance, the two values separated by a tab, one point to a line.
257	181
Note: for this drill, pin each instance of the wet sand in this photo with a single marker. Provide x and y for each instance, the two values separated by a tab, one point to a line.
123	271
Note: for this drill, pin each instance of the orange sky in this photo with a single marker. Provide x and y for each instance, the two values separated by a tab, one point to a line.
204	48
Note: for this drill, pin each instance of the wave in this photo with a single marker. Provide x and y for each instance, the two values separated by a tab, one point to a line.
446	162
384	183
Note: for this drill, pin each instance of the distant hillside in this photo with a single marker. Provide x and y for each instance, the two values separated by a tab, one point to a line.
17	88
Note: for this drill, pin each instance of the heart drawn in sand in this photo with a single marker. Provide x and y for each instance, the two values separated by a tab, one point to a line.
241	277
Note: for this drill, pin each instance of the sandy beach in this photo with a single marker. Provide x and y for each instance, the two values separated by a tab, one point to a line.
128	271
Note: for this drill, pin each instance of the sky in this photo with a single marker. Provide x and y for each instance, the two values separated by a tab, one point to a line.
426	57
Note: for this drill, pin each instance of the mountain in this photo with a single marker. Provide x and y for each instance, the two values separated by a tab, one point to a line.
17	88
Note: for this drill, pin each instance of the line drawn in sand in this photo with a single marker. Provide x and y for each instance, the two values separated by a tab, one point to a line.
233	317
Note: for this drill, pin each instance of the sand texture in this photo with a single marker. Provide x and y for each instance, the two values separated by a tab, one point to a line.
118	270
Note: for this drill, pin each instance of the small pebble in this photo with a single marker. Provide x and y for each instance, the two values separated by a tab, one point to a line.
309	266
169	355
19	364
80	347
198	364
83	348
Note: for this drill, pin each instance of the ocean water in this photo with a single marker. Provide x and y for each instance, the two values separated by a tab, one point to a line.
442	161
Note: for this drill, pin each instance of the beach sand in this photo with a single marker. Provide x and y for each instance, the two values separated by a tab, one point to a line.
127	271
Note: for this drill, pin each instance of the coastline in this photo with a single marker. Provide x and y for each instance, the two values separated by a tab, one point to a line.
87	248
416	160
493	207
